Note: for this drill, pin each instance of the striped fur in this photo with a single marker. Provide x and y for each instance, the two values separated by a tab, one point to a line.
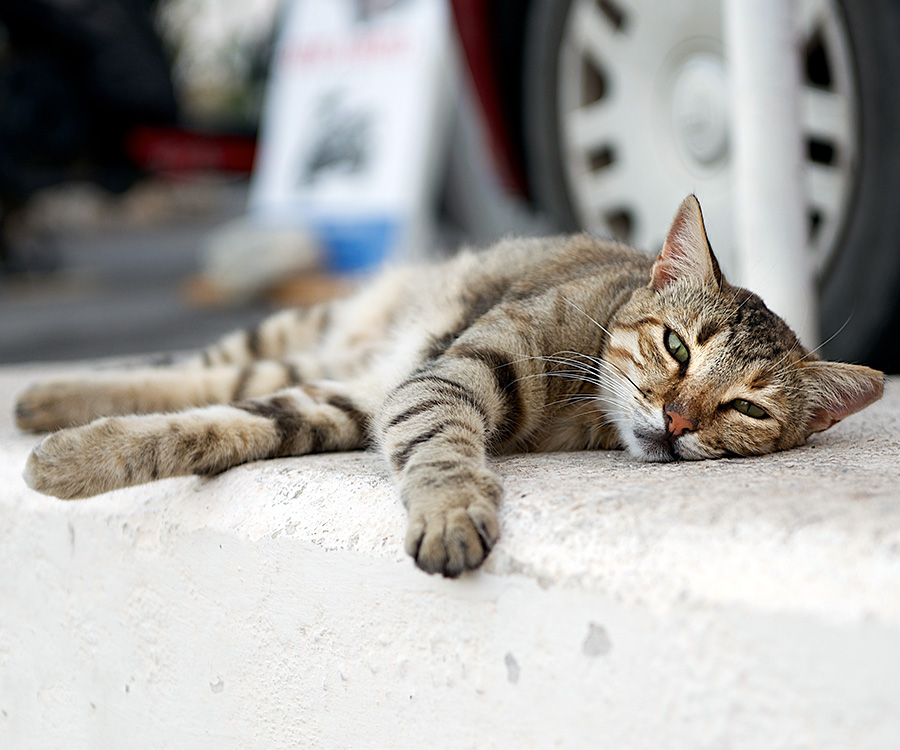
549	344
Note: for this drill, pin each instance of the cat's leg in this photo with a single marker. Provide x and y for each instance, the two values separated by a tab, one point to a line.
277	353
329	341
77	399
276	337
347	327
115	452
435	429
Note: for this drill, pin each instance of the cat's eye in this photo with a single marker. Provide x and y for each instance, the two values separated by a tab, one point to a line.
748	408
676	347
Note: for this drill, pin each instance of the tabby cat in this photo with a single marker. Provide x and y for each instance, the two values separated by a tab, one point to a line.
556	344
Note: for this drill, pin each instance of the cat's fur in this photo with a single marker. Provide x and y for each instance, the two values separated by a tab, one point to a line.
535	345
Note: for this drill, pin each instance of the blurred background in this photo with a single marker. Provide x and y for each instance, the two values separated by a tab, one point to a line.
172	169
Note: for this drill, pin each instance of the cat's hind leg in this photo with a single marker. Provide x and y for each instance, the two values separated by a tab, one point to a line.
279	352
115	452
72	400
276	337
293	347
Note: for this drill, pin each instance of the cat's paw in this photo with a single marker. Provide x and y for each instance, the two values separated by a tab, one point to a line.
34	409
453	531
50	406
84	461
56	467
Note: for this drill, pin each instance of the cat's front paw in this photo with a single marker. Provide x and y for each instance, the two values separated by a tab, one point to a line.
84	461
453	530
56	466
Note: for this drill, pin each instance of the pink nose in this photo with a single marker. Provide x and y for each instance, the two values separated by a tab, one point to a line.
678	424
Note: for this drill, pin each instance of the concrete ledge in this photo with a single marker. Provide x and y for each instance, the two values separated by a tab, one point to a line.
730	604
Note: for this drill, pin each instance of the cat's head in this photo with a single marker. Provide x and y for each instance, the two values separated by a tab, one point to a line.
698	368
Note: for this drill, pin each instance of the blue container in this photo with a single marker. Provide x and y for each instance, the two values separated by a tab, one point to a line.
354	246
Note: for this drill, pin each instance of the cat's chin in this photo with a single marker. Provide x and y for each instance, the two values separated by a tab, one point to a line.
645	446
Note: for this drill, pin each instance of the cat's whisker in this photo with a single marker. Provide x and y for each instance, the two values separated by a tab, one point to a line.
587	372
576	398
579	378
827	341
569	302
607	419
810	353
610	367
618	394
617	387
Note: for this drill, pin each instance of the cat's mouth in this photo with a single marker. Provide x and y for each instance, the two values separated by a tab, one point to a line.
655	447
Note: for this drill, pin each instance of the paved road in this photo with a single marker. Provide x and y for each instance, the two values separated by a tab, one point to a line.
117	292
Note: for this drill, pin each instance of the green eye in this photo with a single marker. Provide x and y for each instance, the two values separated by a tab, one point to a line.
677	348
748	408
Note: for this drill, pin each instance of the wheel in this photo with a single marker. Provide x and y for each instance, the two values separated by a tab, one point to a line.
627	110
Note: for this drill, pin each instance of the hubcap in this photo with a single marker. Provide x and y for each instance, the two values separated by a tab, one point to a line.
700	111
644	108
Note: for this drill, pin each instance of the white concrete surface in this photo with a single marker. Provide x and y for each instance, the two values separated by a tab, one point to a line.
730	604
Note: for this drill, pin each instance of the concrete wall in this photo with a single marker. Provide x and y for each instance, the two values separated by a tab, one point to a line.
730	604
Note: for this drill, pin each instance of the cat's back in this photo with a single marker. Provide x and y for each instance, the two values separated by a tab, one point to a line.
553	260
519	269
415	312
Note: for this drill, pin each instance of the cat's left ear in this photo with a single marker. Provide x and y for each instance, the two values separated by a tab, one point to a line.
686	253
836	390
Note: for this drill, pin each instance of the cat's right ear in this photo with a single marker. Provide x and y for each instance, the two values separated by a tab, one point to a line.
686	253
837	390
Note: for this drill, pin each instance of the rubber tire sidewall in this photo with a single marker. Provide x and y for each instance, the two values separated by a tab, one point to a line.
546	175
861	291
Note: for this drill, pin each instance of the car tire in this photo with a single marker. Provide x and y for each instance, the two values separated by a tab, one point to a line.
860	295
860	285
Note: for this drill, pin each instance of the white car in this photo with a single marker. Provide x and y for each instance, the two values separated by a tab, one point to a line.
614	109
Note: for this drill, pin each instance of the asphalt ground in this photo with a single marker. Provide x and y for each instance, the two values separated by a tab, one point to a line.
118	285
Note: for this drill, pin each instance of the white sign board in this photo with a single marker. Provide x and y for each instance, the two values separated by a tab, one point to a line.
354	126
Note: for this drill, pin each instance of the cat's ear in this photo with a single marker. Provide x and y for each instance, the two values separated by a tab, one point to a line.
836	390
686	252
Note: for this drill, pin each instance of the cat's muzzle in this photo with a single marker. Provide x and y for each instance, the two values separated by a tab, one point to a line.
657	446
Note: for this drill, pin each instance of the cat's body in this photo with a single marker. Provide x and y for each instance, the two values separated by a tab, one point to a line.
553	344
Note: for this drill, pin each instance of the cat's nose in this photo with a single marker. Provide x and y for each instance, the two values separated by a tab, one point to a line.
676	423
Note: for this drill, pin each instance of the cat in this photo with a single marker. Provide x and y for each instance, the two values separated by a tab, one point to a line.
559	344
